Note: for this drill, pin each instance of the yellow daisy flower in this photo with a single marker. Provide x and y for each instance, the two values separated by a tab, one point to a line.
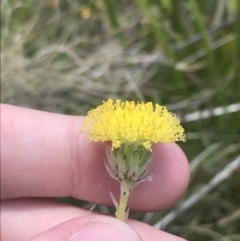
85	12
127	122
132	128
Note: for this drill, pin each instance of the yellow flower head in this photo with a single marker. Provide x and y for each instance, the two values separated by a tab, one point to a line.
85	12
130	123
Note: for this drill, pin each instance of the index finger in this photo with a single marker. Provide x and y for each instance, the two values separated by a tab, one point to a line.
44	155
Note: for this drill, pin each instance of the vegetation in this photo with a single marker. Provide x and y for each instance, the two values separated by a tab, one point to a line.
67	56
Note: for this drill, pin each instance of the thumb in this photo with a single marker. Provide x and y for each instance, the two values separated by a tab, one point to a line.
90	228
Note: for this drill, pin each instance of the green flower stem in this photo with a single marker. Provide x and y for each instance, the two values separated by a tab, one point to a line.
121	211
125	189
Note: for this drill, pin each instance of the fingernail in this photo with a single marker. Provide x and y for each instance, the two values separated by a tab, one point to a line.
106	232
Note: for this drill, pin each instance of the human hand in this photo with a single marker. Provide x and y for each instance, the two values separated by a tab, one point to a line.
43	155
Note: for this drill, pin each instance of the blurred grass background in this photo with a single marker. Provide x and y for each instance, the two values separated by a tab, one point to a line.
68	56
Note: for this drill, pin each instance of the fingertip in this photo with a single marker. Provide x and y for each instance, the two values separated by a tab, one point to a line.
171	175
94	227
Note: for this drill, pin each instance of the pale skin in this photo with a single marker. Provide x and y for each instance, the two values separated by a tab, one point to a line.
43	155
